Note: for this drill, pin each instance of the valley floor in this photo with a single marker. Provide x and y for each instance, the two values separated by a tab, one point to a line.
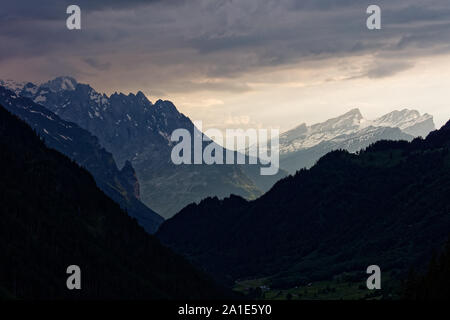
336	289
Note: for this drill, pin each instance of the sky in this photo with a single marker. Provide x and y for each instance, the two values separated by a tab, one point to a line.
241	64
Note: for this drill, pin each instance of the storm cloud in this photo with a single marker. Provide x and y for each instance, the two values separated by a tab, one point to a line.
174	46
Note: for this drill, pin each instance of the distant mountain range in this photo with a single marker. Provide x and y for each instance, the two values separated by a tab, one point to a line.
388	205
84	148
53	215
136	130
302	146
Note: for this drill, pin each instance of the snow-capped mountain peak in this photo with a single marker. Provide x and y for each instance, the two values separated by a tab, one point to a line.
12	85
60	83
348	121
402	119
352	122
131	118
305	136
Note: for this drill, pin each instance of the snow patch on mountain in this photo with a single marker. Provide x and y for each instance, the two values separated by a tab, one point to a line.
15	86
401	119
40	99
60	84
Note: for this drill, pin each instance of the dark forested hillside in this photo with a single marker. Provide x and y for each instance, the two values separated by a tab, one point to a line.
80	145
388	205
434	284
53	215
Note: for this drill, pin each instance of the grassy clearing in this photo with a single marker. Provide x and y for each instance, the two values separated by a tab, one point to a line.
322	290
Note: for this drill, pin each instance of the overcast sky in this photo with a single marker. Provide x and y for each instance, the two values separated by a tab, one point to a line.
248	63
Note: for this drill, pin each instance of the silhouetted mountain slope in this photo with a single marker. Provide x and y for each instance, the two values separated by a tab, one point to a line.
53	215
84	148
388	205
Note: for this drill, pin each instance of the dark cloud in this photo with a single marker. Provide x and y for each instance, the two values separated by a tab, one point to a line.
170	42
415	14
385	69
323	4
96	64
53	9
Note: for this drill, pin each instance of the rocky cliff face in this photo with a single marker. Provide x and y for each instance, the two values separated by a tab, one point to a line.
129	175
